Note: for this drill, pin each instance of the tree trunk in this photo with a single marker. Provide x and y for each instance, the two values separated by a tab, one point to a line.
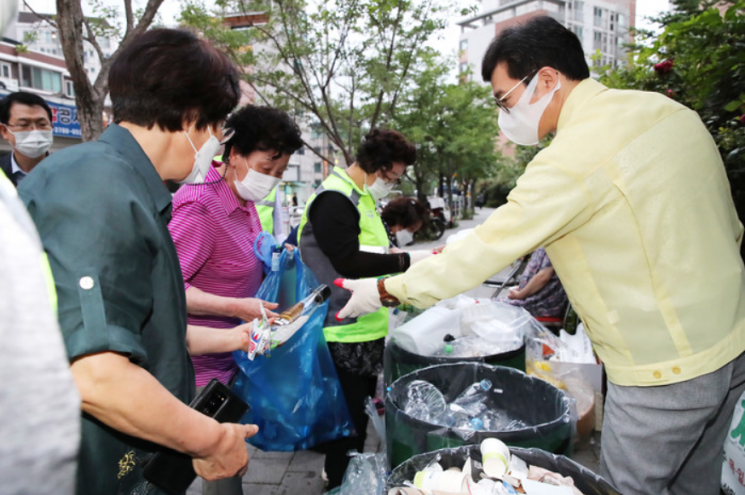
87	100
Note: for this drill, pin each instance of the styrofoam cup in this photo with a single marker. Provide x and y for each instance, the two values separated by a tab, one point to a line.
495	457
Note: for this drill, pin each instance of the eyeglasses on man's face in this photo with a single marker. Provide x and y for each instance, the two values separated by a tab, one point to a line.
29	125
499	100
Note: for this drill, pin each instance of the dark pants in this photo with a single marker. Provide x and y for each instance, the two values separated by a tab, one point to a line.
356	388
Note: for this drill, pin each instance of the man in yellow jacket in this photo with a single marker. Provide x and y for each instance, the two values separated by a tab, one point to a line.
633	206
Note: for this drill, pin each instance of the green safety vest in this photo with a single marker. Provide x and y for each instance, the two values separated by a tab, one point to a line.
265	208
373	238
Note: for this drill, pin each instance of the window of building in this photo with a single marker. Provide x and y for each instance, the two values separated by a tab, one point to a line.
69	89
598	16
579	11
463	67
43	79
317	167
578	31
597	40
526	7
464	45
550	6
301	151
5	70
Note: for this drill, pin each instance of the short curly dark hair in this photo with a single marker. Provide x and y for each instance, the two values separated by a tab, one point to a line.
262	128
405	212
381	148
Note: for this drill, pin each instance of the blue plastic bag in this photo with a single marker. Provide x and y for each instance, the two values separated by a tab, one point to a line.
294	393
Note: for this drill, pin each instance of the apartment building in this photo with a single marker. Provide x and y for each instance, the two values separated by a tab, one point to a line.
603	27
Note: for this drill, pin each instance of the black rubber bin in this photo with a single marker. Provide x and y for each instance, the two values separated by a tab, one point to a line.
397	361
585	480
529	398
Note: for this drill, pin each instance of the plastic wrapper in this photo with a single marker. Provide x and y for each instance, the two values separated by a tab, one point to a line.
377	420
484	331
587	482
543	349
366	474
545	411
295	395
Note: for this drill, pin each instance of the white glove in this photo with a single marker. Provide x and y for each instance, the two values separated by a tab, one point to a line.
418	255
365	297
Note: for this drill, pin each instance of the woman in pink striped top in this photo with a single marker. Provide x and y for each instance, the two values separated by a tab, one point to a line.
214	226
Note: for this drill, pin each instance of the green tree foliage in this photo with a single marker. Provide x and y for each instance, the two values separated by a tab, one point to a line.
699	60
453	124
341	63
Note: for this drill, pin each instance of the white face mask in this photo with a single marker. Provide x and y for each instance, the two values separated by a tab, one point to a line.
520	125
255	186
404	237
32	144
202	159
379	189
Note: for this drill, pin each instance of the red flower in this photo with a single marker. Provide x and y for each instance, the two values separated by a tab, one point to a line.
664	68
742	118
670	93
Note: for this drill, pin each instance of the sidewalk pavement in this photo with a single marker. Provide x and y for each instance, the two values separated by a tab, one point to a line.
299	473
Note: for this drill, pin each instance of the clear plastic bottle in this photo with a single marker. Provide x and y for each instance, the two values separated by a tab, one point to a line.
424	401
473	398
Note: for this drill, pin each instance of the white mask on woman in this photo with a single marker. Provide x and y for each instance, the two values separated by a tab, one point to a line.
404	237
379	189
34	143
520	125
255	186
202	159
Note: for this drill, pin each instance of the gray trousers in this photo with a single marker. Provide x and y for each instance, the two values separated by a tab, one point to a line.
668	440
227	486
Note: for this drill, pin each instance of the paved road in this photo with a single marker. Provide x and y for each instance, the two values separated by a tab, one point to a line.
299	473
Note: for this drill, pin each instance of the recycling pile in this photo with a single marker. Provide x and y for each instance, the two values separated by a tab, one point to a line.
498	473
464	327
474	409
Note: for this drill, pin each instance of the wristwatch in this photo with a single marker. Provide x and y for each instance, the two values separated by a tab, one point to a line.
386	299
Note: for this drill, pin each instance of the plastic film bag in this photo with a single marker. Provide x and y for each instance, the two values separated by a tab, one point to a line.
366	474
294	394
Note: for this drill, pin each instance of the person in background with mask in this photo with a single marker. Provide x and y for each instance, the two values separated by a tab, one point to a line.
341	235
214	227
102	209
25	123
402	218
632	204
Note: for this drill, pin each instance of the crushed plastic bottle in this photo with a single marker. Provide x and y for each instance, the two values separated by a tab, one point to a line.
424	401
473	396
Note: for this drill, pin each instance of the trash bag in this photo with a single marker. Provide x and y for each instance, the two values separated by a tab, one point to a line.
549	413
366	474
397	361
585	480
412	346
294	393
734	452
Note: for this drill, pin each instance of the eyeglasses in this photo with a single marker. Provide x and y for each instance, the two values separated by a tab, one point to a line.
498	100
40	125
395	180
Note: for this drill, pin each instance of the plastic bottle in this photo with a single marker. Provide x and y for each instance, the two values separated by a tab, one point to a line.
474	396
424	401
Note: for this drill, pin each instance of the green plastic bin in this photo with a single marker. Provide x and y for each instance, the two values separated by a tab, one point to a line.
398	362
531	399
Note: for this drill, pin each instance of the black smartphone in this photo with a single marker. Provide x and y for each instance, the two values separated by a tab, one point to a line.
172	471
